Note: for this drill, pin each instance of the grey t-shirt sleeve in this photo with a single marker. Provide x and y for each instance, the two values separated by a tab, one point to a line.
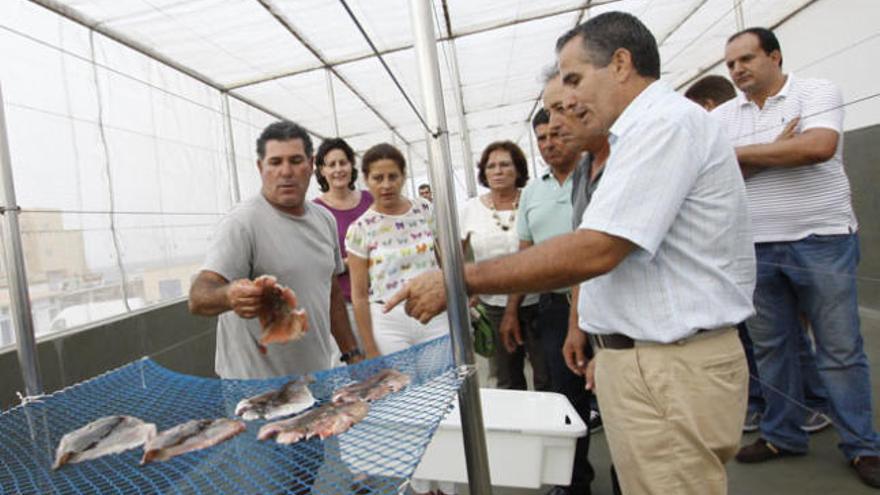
231	251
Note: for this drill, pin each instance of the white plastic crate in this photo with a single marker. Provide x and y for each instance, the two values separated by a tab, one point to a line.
530	438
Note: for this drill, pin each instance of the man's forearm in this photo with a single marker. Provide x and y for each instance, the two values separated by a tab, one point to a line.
573	320
513	303
208	296
553	264
812	147
340	327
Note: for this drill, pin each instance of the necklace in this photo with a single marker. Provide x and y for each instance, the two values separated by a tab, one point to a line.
510	222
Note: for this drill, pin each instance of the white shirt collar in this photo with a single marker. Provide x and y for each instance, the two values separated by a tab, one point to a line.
633	112
742	99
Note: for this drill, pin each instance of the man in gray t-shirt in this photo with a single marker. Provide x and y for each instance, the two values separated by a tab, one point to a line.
275	233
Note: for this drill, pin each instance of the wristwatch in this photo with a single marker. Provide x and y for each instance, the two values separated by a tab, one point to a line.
348	356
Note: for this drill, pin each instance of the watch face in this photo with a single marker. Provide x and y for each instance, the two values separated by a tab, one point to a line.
347	356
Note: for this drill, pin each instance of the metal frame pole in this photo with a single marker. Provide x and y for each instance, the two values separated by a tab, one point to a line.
412	171
531	149
332	102
20	303
230	150
740	18
467	153
476	455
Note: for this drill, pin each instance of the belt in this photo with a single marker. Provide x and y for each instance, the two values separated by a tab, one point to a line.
556	296
620	341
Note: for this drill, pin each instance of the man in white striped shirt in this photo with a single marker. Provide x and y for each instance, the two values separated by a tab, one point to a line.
788	136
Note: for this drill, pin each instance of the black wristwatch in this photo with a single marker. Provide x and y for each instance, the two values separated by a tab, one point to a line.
348	356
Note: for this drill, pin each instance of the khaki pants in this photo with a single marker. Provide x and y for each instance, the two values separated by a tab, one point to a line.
673	413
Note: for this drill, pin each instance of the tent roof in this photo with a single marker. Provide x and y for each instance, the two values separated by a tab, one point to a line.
282	55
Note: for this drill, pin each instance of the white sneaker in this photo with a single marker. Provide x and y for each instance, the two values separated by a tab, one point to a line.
595	421
816	421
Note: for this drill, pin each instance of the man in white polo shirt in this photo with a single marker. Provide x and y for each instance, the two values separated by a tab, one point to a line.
806	246
665	256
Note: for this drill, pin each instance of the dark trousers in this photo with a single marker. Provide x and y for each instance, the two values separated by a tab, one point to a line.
508	367
552	322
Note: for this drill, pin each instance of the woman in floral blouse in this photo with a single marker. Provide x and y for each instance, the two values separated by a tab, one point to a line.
389	244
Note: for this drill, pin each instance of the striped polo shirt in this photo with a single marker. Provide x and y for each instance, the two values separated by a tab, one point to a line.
791	203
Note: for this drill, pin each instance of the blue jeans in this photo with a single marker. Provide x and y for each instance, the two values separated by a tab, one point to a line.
815	395
815	275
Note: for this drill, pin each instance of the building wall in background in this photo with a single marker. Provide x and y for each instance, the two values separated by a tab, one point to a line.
169	334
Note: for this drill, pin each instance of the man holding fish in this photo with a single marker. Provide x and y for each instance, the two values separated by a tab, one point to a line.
271	270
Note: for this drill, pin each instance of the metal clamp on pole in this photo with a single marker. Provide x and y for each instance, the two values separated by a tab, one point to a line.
20	303
476	455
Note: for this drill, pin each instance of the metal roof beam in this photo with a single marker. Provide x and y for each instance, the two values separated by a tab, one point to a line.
282	19
78	18
400	48
702	70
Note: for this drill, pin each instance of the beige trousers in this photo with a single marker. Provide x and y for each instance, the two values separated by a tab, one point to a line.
673	413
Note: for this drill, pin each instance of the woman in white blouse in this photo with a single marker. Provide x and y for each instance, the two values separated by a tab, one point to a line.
488	229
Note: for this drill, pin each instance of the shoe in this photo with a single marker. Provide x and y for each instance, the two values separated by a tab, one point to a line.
753	421
595	421
868	469
761	451
569	490
816	421
557	490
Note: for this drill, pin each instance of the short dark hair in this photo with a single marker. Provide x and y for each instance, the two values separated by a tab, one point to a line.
327	146
540	118
549	73
382	151
606	33
712	87
424	185
283	130
766	39
516	154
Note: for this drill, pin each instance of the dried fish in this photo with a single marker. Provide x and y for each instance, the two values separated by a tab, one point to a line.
327	420
280	318
293	397
193	435
107	435
384	382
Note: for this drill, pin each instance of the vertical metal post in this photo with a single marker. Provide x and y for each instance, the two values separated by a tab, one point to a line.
230	150
445	210
412	171
467	153
531	149
740	18
332	102
20	303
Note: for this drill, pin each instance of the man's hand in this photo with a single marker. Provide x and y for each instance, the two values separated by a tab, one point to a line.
245	297
590	375
425	296
510	332
790	130
573	351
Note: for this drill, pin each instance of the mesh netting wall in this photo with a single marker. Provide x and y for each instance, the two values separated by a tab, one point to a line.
377	455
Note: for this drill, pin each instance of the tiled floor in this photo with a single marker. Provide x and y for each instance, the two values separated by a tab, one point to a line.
823	472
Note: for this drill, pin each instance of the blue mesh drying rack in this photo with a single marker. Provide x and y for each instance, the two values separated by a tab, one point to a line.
378	455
